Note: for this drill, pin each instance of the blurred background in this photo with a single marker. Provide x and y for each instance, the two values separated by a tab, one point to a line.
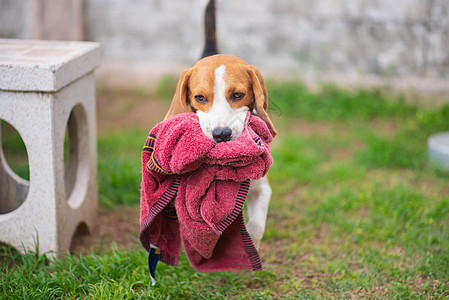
346	41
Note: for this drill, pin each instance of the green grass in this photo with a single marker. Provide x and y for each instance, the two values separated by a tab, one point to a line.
116	274
166	87
335	103
356	212
119	168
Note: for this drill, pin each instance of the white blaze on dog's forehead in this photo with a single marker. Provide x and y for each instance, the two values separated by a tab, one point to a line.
219	89
220	76
221	114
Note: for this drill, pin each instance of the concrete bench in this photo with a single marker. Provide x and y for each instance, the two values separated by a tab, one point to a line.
46	89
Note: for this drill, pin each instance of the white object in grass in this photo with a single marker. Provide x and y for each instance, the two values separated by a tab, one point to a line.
438	148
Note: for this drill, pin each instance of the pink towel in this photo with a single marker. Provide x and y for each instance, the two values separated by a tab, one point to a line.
193	191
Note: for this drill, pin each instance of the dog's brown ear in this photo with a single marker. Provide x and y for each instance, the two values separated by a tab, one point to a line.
260	97
179	104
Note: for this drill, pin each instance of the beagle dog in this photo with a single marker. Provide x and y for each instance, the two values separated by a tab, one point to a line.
221	89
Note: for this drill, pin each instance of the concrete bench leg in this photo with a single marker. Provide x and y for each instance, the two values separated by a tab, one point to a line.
59	198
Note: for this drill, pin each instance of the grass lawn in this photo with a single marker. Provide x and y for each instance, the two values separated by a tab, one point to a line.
356	212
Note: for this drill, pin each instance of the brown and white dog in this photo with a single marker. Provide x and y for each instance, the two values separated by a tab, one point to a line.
221	89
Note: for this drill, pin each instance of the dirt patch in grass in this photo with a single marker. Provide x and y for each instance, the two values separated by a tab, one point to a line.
385	128
120	226
119	109
319	129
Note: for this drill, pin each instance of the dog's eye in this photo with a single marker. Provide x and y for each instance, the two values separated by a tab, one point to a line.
200	99
237	96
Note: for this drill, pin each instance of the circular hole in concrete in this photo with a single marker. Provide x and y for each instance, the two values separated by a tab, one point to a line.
14	169
80	239
8	256
76	150
70	157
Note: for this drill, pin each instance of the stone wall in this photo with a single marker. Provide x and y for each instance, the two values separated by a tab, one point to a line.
400	38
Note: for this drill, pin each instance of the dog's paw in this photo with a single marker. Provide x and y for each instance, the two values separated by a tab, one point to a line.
256	232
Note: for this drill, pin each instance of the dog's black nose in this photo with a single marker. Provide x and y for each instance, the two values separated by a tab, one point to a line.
222	134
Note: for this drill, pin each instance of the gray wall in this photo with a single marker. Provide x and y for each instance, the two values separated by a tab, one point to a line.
399	38
15	19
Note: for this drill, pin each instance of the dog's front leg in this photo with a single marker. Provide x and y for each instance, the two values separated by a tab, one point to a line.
258	200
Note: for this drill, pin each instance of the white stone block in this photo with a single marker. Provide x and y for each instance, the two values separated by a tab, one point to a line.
46	87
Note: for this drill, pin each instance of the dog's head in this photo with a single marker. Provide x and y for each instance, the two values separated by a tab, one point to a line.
221	89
